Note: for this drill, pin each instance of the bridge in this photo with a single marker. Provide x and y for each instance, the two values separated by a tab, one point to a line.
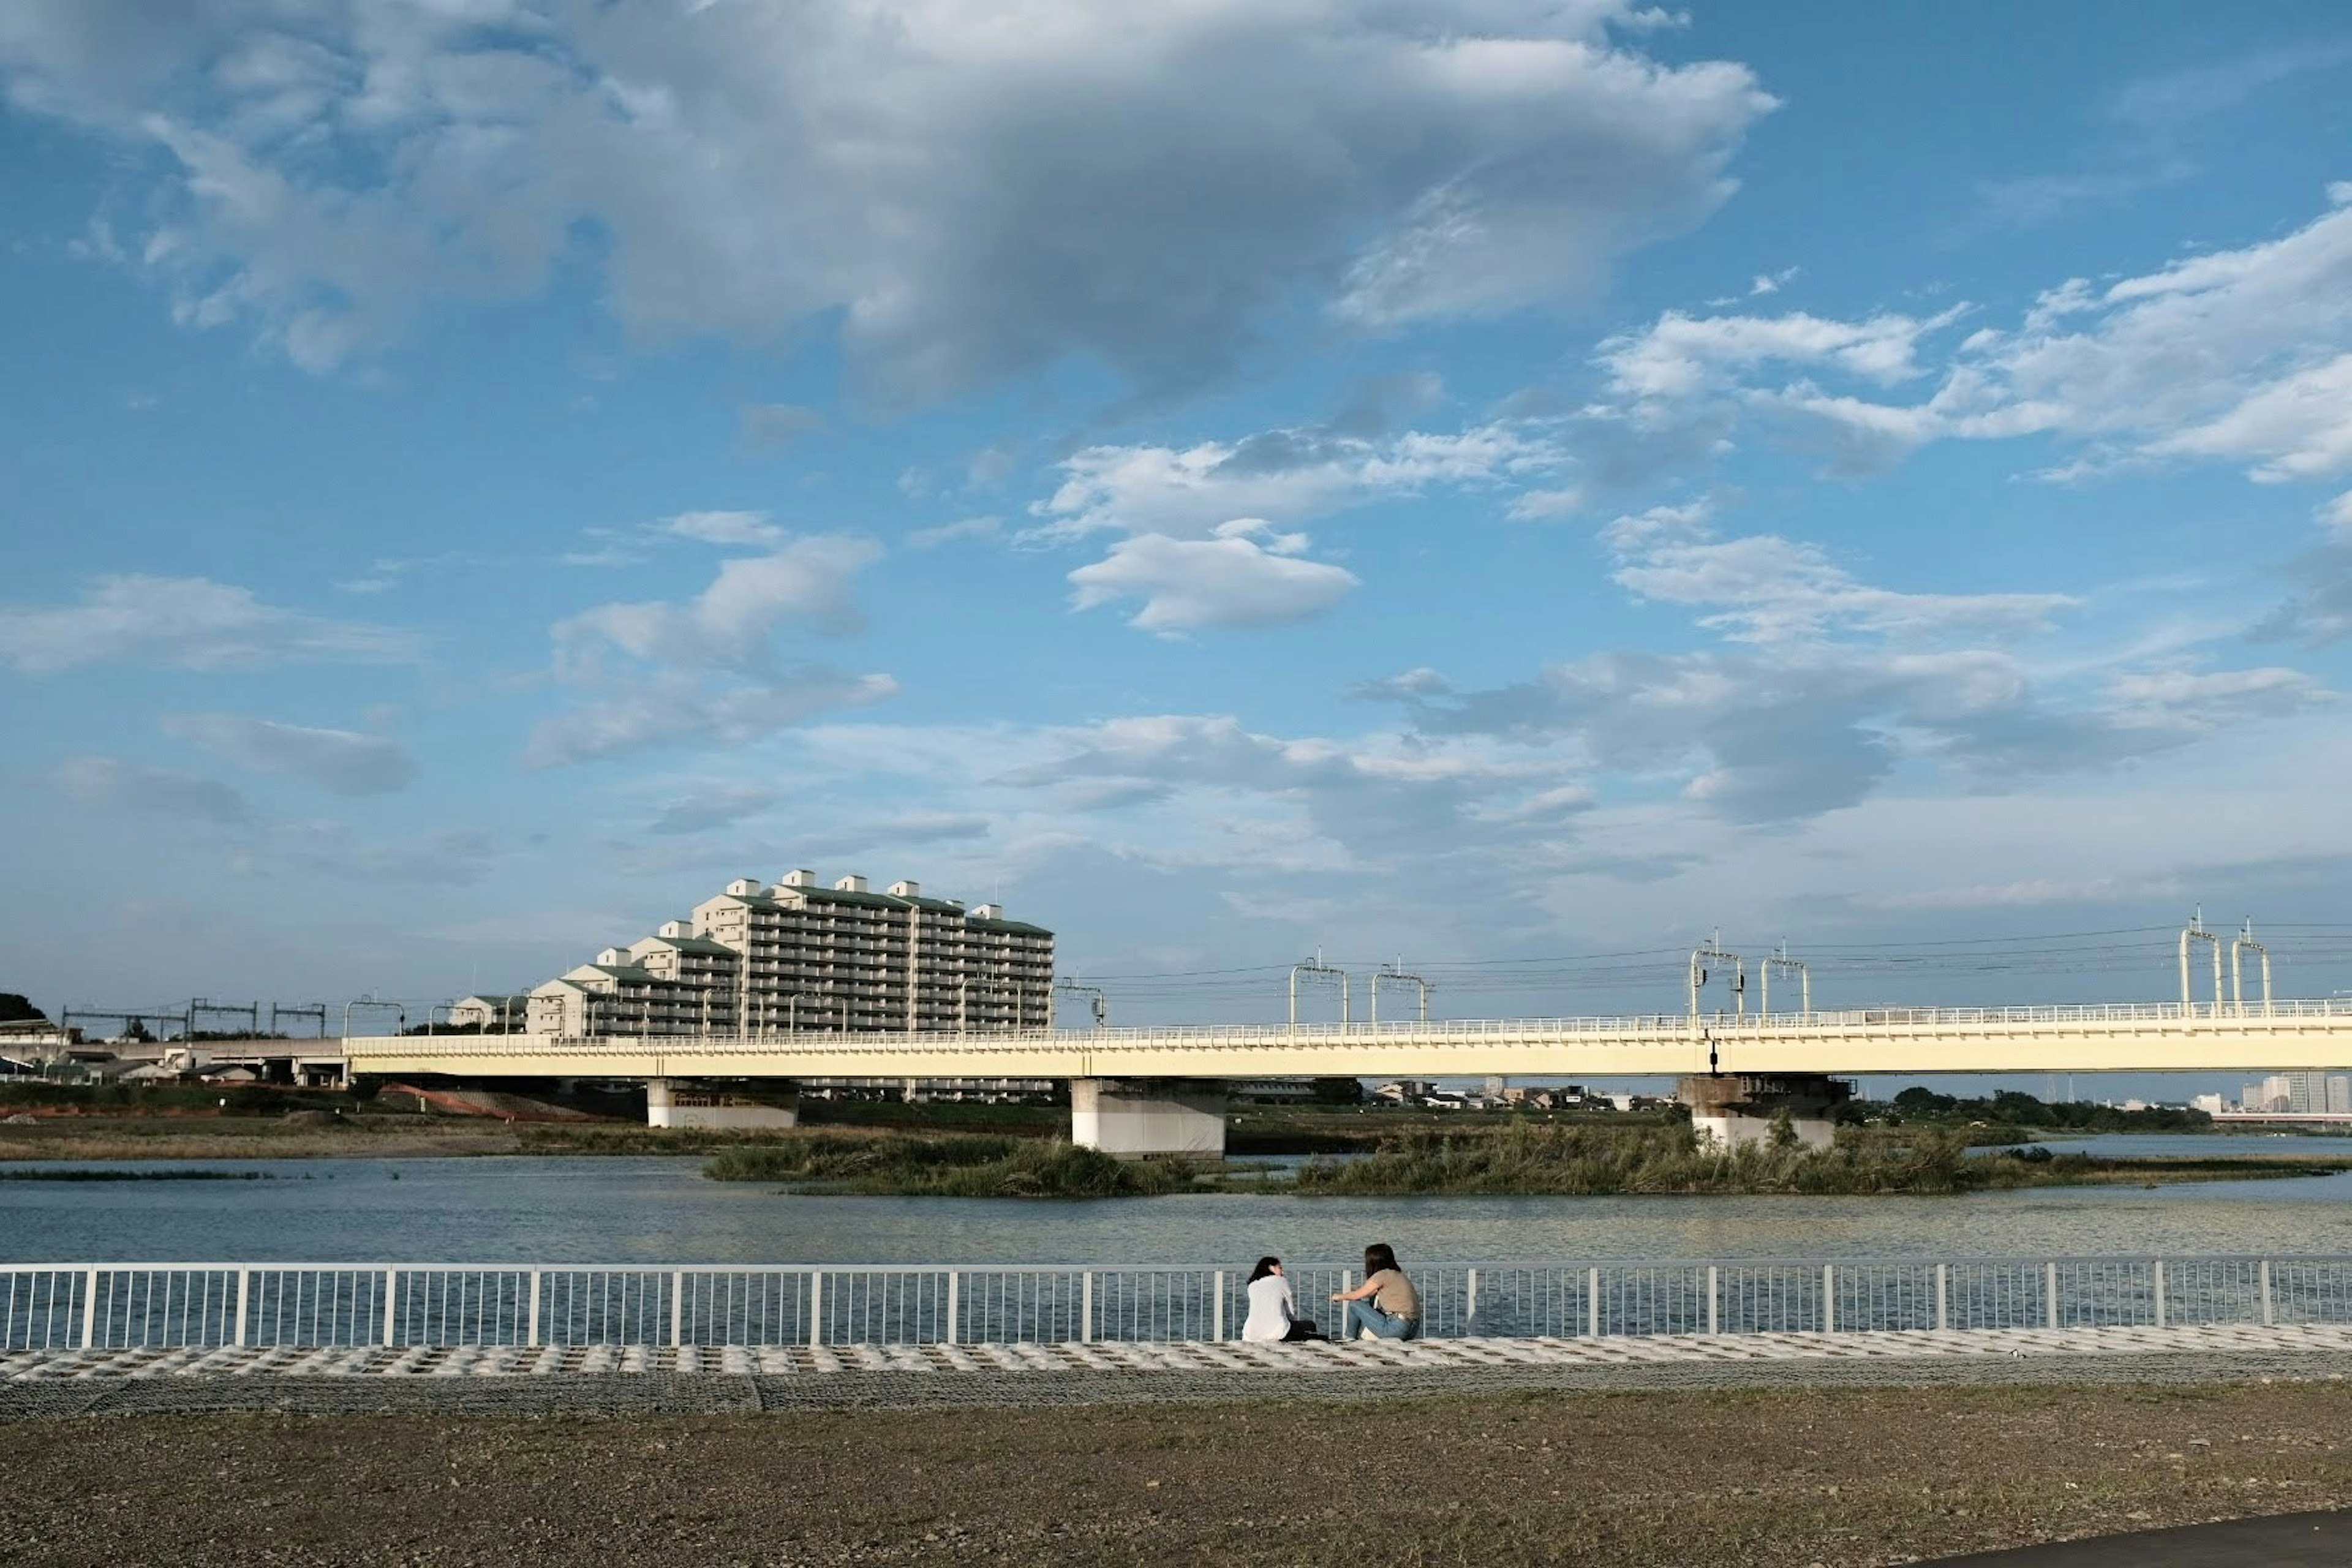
1160	1089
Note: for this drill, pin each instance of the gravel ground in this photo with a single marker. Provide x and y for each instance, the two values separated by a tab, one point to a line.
1817	1470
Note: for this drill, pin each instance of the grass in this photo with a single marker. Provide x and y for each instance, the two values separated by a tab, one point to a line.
1524	1159
957	1166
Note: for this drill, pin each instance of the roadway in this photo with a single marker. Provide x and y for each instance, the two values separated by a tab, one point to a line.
2122	1036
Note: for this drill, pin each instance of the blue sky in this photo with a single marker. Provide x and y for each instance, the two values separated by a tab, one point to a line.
1452	482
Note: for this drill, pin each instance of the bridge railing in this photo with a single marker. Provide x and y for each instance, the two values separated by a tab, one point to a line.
1667	1027
150	1306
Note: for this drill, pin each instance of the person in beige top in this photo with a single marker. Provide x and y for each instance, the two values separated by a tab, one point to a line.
1385	1306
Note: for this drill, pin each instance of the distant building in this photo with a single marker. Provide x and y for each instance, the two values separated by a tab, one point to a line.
2211	1104
2298	1094
1282	1089
798	956
490	1012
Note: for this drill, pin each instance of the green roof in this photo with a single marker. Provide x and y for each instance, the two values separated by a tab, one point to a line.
696	945
631	971
843	896
985	923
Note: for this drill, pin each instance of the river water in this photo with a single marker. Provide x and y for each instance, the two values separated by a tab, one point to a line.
610	1210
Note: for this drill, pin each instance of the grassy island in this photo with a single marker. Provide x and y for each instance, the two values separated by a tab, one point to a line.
1666	1159
951	1166
1517	1159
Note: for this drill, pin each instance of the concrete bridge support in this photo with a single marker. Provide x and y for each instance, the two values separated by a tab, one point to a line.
672	1103
1158	1116
1732	1109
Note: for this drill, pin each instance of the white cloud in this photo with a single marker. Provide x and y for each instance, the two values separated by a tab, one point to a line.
968	198
2337	515
2209	699
116	785
948	532
2299	427
628	714
1682	356
749	527
720	806
2161	103
707	670
1282	476
1839	682
732	624
1777	590
192	622
338	759
1542	506
1231	580
2243	355
1226	794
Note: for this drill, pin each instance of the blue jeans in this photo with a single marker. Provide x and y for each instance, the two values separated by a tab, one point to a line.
1384	1325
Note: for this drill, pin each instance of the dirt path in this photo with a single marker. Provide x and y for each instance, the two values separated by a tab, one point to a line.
1814	1477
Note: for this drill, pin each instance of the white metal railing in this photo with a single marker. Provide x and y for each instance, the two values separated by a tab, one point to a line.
107	1306
1668	1028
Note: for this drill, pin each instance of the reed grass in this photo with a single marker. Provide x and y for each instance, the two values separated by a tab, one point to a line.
960	1166
1535	1159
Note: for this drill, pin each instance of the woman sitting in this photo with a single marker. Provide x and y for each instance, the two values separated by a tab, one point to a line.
1385	1306
1273	1310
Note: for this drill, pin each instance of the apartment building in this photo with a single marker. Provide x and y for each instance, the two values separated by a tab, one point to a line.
799	955
2299	1094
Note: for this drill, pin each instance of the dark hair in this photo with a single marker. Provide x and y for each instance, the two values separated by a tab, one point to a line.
1266	1265
1377	1257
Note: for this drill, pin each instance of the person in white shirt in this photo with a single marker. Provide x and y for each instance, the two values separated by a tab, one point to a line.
1273	1310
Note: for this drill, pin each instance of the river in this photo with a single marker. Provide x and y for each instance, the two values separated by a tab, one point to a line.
612	1210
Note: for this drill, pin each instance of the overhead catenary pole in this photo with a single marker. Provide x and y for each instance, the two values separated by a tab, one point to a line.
2195	931
1781	961
1316	966
1094	995
1398	975
2243	944
1704	961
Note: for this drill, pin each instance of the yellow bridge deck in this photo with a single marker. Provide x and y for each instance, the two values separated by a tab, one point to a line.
2141	1036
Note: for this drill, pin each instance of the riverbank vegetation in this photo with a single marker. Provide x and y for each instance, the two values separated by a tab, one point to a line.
954	1166
2023	1115
1535	1159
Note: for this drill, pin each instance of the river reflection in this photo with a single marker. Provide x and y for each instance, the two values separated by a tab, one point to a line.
582	1210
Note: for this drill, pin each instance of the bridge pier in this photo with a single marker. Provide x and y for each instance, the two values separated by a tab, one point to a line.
1161	1116
670	1104
1732	1109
